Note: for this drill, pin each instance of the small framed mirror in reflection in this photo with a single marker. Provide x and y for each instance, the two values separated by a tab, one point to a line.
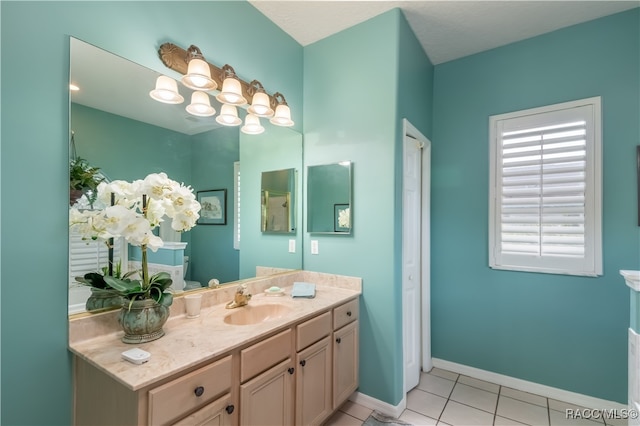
329	199
278	201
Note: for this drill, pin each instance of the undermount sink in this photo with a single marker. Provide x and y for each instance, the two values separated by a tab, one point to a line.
254	314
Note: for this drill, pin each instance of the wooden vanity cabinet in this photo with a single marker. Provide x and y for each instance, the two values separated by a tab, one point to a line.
267	381
299	375
313	377
200	397
345	351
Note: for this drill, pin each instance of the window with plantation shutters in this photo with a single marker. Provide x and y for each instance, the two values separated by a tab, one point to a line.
236	205
545	189
90	256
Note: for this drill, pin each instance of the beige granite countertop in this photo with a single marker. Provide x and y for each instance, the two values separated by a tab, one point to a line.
191	342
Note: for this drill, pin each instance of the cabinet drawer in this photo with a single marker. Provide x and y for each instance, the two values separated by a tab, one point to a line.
172	400
313	330
344	314
262	356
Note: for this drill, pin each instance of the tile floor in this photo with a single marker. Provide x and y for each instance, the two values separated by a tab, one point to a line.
446	398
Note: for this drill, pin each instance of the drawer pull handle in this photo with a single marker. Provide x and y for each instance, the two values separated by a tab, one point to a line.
199	391
230	409
291	370
348	313
338	340
303	362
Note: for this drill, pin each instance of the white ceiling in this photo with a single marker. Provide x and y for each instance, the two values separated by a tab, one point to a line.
447	30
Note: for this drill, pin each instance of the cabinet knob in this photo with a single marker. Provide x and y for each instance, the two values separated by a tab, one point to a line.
338	340
348	313
291	370
230	409
199	391
303	362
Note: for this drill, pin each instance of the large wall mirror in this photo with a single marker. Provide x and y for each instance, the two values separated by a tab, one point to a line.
119	128
329	198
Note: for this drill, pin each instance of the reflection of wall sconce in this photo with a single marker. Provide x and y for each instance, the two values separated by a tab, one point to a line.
203	76
200	105
166	91
228	116
252	125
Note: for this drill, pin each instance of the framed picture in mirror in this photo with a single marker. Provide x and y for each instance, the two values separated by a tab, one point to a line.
214	207
341	218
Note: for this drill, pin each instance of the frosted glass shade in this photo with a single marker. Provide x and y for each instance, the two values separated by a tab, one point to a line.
260	105
252	125
166	91
228	116
200	105
198	76
231	92
282	116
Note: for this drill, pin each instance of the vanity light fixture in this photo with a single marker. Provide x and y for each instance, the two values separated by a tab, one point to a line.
166	91
200	105
198	75
252	125
228	116
234	92
231	92
282	116
260	103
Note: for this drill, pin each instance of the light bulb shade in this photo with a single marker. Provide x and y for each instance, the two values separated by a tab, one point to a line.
228	116
252	125
260	105
231	92
166	91
198	76
200	105
282	116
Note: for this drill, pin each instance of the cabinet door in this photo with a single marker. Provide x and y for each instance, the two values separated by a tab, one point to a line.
218	413
345	363
268	399
313	383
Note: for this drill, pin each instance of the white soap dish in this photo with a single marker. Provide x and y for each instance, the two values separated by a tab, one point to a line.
274	291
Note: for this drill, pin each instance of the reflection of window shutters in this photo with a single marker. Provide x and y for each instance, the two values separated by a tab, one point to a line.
545	189
90	256
236	206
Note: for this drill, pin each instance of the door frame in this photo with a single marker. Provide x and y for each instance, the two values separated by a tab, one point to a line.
425	248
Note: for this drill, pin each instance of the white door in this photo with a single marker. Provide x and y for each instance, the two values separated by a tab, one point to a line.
411	257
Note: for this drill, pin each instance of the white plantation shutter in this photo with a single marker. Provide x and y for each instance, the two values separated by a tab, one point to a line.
89	256
545	189
236	206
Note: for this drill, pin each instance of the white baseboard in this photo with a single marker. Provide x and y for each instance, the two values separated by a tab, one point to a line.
381	406
526	386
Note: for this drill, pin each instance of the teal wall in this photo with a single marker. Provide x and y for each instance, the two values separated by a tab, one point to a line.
561	331
128	149
352	96
276	149
212	253
36	365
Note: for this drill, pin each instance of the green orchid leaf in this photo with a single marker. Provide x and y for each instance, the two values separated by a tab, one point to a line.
166	300
125	287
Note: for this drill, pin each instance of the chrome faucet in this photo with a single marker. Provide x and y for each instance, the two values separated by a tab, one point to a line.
240	298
